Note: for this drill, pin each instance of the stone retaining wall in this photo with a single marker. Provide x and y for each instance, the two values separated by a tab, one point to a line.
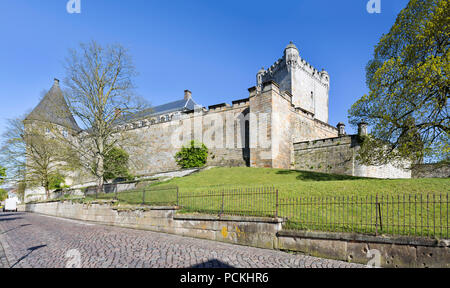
251	231
258	232
436	170
391	252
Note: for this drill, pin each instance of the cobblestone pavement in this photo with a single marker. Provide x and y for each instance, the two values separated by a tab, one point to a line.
31	240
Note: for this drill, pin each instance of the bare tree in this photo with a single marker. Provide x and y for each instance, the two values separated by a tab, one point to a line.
100	94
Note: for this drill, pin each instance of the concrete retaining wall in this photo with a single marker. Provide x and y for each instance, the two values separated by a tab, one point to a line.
258	232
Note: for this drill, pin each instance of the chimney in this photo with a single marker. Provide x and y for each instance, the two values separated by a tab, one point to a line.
341	129
362	128
187	94
56	82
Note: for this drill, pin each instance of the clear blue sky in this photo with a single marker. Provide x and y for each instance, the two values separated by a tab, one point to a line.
213	48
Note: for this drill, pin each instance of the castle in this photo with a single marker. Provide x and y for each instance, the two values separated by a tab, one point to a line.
282	124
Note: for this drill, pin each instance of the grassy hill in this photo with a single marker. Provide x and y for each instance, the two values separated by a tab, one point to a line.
293	183
310	201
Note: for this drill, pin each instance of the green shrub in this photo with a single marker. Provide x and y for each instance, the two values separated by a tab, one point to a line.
56	181
116	164
3	194
193	156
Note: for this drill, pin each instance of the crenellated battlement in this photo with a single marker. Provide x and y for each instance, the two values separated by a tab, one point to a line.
322	143
321	76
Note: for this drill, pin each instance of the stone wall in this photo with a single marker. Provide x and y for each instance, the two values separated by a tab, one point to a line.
338	156
436	170
258	232
221	129
250	231
270	127
388	251
333	155
306	128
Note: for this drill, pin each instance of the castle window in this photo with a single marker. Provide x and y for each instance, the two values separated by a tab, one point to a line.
65	133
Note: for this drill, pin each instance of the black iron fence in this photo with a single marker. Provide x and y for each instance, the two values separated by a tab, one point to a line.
406	214
400	214
258	201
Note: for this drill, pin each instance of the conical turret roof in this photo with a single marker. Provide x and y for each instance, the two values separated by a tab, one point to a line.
53	108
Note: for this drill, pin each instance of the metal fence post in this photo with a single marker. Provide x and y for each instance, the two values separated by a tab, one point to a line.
376	215
223	200
143	196
178	198
276	205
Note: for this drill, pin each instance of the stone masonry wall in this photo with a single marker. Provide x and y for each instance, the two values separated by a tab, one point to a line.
436	170
333	155
220	129
338	156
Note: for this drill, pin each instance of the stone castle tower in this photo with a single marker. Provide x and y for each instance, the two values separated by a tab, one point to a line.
308	86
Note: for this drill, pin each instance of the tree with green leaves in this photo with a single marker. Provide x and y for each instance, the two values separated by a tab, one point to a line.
2	175
33	157
116	164
192	156
407	106
3	193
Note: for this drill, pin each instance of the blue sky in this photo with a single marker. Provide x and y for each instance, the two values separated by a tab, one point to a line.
213	48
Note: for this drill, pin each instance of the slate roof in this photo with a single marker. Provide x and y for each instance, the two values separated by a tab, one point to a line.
53	108
175	106
180	105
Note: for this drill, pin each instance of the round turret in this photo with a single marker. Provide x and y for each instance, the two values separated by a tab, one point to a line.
291	46
259	76
325	76
291	55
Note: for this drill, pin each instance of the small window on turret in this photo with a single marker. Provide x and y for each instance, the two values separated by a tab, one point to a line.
65	133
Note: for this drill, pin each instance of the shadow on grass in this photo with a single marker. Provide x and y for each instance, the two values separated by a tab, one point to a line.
316	176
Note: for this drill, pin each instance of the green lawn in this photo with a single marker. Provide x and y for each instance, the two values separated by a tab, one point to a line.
311	201
291	183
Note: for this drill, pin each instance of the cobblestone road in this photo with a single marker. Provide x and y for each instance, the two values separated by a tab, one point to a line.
31	240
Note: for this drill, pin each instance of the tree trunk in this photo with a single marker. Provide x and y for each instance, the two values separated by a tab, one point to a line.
100	182
100	174
47	193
